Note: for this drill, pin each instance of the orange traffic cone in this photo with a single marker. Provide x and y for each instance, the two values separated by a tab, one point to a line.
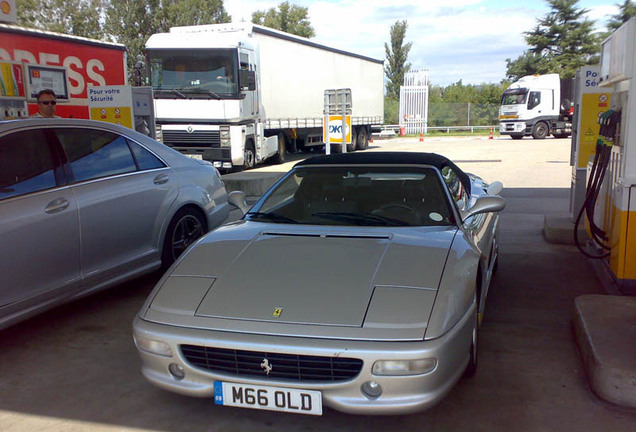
490	136
421	137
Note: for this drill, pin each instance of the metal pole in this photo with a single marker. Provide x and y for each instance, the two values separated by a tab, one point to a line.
326	125
343	105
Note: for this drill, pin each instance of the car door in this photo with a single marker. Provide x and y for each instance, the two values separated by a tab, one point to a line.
124	193
39	223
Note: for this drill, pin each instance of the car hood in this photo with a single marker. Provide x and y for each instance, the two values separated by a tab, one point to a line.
313	281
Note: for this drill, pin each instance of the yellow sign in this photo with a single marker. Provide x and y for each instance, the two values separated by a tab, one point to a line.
121	115
332	129
112	104
592	104
277	312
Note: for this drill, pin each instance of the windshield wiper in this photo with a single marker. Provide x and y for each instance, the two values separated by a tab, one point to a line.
275	217
361	218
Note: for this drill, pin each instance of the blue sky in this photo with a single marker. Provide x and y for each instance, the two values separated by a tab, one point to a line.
454	39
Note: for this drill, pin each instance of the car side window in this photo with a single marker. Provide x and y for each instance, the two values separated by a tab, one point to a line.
145	159
27	163
455	187
534	99
94	153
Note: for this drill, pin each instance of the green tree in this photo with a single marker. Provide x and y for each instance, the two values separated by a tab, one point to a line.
288	18
73	17
626	11
526	64
562	41
397	55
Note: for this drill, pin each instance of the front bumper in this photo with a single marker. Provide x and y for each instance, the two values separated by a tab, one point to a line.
400	394
508	128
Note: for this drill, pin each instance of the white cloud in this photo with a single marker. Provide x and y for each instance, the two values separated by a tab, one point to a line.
460	39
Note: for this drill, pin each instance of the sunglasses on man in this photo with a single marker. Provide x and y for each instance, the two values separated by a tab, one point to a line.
48	102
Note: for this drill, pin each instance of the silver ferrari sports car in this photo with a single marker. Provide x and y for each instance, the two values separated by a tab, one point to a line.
357	282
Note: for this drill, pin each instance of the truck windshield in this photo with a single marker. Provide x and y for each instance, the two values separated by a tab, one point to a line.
514	97
195	72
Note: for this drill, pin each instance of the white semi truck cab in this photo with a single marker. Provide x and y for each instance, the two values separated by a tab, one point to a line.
537	106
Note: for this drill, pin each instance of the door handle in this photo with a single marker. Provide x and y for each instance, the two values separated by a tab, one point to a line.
56	206
161	179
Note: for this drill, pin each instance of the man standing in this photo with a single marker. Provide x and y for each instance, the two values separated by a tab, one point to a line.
46	104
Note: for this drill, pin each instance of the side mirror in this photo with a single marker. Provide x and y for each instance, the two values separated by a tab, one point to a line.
494	188
237	199
485	204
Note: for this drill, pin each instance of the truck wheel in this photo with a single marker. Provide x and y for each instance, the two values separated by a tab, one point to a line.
282	150
363	139
540	130
352	147
249	156
516	136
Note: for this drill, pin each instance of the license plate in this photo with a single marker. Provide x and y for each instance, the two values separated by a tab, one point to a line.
268	398
195	156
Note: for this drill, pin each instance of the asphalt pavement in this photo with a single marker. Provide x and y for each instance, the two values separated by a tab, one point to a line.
75	368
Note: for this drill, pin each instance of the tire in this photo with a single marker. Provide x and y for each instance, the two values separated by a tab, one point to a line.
282	149
471	368
363	139
354	145
516	136
187	225
249	156
540	130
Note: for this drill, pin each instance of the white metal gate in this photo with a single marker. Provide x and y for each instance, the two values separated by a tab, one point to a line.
414	102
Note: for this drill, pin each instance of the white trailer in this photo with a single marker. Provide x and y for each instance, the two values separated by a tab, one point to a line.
238	94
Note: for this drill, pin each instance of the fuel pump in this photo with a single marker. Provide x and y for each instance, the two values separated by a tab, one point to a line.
13	103
610	199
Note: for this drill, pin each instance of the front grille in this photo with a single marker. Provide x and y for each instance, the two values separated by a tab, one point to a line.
283	366
175	138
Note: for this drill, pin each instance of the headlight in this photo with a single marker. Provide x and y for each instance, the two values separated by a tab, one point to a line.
224	134
404	367
153	346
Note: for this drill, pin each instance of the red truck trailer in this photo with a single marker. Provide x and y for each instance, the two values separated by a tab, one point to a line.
88	62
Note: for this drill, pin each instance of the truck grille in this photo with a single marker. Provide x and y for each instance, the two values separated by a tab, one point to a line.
283	366
175	138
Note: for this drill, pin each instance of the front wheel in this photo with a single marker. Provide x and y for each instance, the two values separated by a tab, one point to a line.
352	147
540	130
249	156
185	228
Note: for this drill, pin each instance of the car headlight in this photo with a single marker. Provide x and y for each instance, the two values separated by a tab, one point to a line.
404	367
224	134
153	346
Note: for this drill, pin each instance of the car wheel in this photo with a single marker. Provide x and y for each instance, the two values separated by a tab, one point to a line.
185	228
471	369
249	156
353	146
280	156
540	130
516	136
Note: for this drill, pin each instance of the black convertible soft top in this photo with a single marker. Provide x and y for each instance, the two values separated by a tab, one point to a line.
389	158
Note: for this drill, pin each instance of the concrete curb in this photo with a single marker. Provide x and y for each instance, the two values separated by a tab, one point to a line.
605	328
559	229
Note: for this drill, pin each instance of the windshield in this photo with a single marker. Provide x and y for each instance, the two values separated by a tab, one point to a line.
363	196
514	97
206	72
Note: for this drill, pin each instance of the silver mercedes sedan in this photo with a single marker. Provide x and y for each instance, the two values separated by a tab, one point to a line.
357	282
85	205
